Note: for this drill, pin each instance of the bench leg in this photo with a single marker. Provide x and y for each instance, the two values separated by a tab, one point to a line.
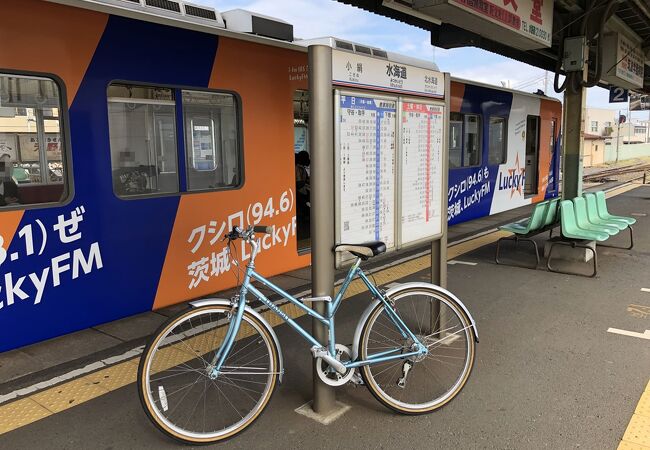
625	248
516	239
573	245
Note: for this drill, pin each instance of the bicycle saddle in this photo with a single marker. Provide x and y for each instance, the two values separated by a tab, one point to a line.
364	250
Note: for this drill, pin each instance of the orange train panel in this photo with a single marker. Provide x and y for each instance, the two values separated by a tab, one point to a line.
8	225
266	79
548	111
72	37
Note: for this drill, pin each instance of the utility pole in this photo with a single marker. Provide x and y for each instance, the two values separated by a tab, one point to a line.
546	82
618	134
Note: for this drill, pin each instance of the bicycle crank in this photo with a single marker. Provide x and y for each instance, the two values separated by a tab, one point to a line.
329	374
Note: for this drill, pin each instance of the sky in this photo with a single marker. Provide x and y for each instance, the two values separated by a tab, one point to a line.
318	18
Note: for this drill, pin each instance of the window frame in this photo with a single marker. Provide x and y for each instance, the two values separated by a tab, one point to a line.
176	137
66	149
181	156
504	142
240	140
479	134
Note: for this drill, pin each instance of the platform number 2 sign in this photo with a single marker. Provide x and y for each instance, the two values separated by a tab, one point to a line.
617	94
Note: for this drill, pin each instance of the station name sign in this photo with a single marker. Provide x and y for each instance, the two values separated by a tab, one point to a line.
525	24
359	71
625	58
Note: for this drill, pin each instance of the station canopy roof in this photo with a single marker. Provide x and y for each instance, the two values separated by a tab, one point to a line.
449	29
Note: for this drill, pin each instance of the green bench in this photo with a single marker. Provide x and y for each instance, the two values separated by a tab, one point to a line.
543	218
587	219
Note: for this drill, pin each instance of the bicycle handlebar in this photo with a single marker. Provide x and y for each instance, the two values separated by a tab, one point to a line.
237	232
262	229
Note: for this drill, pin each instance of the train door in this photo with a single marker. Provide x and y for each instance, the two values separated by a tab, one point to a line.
302	166
532	155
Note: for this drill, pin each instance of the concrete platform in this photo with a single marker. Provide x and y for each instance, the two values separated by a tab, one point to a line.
548	374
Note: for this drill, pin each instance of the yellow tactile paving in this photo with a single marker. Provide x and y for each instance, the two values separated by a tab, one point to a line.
638	430
620	190
68	395
624	445
20	413
643	408
116	376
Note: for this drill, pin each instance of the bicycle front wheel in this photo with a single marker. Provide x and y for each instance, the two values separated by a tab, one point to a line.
174	384
418	384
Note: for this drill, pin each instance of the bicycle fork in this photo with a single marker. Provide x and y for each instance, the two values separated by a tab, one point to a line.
219	357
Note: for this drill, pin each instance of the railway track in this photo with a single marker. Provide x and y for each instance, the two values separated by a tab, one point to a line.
616	172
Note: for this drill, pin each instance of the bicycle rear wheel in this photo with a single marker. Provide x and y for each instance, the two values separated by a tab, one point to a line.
176	390
420	384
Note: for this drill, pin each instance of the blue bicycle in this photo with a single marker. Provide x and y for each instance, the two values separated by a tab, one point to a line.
209	372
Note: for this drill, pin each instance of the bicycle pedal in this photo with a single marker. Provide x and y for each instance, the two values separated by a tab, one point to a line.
325	298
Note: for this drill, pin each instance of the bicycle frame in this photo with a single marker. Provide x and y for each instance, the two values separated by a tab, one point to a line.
327	320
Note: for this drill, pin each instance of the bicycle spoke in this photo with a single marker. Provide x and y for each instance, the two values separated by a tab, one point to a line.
180	390
430	378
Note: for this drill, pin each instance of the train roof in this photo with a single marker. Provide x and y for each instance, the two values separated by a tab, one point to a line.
236	23
248	26
505	89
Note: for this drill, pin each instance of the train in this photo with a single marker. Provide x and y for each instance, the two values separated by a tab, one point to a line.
135	133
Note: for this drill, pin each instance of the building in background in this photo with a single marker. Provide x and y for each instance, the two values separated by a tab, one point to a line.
635	132
594	150
600	122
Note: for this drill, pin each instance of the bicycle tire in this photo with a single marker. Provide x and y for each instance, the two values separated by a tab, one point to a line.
153	408
370	373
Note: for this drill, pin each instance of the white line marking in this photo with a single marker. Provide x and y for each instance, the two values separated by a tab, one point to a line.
639	214
645	335
455	261
645	289
72	374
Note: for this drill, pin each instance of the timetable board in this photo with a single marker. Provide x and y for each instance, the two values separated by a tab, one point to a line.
366	169
422	171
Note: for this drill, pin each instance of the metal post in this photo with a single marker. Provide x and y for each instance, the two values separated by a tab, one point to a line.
574	122
439	247
321	143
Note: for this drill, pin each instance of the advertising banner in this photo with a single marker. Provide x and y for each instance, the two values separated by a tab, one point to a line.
8	145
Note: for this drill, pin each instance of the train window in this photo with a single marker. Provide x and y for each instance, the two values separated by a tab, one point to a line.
211	140
464	140
455	140
32	147
472	140
142	130
497	150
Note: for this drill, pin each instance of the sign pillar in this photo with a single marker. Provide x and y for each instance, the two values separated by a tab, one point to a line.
439	246
321	142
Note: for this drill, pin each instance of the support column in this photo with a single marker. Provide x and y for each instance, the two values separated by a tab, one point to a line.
321	144
574	136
